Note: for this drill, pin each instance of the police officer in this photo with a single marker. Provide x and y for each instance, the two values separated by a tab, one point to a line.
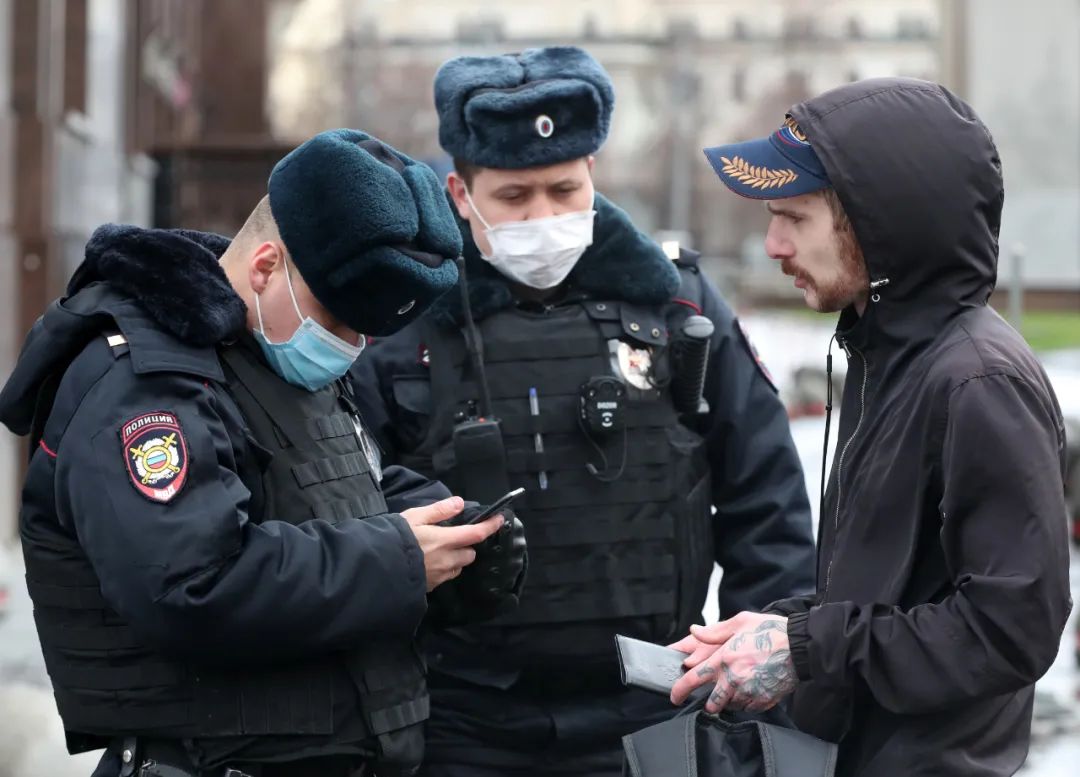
221	584
571	373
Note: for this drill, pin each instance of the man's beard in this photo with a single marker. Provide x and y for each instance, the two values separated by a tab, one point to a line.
845	287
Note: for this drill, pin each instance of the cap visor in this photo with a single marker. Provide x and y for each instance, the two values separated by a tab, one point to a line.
756	169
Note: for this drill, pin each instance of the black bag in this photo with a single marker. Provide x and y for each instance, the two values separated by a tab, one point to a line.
697	744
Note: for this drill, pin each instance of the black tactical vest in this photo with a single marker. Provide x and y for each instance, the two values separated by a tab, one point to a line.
106	682
631	556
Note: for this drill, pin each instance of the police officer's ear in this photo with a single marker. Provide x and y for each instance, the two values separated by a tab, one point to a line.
267	258
590	160
456	185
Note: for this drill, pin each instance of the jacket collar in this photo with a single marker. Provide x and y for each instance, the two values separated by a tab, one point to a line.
173	274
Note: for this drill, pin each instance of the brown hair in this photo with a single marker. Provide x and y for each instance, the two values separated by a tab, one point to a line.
467	171
260	224
849	242
841	222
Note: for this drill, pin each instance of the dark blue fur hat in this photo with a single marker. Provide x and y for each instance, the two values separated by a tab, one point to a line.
368	228
536	108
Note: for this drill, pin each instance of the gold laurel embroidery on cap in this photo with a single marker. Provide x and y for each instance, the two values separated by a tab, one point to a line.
757	177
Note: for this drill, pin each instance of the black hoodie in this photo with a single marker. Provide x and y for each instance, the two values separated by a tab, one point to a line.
943	581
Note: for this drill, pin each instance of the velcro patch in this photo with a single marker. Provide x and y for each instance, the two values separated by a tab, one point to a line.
155	453
757	357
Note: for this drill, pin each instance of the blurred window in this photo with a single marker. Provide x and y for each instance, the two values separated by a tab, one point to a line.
75	56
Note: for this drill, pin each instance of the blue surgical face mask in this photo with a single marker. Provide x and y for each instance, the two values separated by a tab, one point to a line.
313	357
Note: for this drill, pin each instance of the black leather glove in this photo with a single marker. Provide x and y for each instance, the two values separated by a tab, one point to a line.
492	584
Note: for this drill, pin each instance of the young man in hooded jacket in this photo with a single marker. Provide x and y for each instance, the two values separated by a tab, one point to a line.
575	315
943	583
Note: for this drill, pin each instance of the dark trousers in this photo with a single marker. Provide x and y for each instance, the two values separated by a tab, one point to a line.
477	731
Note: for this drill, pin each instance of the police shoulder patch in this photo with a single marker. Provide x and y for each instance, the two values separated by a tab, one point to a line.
756	356
155	453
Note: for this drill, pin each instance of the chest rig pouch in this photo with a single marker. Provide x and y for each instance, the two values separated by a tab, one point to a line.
316	462
630	550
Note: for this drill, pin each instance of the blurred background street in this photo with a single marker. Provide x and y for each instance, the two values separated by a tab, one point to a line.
171	113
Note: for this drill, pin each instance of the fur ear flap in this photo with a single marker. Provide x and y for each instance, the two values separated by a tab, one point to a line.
437	233
173	274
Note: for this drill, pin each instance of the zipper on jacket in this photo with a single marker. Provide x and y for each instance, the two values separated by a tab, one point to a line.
840	462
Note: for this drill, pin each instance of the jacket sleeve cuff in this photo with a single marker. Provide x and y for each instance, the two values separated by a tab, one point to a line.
416	574
789	606
799	643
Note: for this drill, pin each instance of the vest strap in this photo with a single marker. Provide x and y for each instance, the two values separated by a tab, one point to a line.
567	606
328	469
88	638
281	412
81	597
605	524
580	491
543	350
590	570
336	425
573	457
387	719
116	678
134	714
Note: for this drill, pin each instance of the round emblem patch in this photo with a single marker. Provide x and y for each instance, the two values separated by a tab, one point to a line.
792	133
545	127
155	453
635	364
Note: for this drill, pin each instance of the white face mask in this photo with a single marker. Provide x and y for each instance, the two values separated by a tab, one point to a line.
539	253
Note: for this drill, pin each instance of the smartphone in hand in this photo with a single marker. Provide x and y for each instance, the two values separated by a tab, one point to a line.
495	507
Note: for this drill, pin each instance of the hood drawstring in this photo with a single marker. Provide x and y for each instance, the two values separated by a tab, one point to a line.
828	421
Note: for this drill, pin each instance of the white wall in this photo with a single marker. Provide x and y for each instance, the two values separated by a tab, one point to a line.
1024	80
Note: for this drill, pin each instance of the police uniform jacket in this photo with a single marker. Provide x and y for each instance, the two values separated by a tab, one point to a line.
170	601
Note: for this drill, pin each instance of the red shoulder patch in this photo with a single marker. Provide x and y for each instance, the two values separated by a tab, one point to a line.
757	357
155	453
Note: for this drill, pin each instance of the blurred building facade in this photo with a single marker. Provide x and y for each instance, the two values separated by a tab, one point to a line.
199	109
65	161
151	112
687	73
1019	65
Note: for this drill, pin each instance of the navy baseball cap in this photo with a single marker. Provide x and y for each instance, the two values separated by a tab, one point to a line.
781	165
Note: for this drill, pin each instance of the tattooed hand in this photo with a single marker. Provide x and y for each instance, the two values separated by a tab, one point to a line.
748	659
